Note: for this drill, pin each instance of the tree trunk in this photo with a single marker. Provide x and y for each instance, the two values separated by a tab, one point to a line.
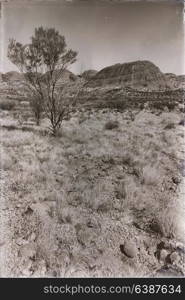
54	130
38	121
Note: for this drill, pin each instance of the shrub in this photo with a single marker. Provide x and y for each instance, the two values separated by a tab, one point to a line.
150	175
182	122
171	105
111	125
170	223
7	105
117	104
157	105
141	105
120	190
162	104
170	126
6	161
10	127
113	104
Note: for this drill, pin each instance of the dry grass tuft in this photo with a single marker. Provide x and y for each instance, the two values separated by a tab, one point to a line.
111	125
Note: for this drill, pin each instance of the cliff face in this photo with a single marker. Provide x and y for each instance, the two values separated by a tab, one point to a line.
141	75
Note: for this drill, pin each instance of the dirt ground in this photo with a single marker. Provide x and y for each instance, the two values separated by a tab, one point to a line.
105	198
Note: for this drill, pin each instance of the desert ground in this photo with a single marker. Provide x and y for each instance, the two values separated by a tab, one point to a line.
105	198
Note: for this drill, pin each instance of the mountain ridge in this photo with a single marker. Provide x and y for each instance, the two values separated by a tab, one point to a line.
141	75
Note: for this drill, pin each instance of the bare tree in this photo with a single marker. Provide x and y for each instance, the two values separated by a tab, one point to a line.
43	63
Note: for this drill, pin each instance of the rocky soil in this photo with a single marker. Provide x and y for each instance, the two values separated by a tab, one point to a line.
105	198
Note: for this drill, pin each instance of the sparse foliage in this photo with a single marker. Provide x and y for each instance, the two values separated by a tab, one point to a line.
43	63
60	105
7	105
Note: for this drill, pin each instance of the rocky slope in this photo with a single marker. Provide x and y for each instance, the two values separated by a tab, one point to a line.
12	76
89	74
176	81
139	74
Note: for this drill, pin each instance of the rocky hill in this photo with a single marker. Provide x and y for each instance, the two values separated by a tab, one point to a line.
89	74
140	75
12	76
66	77
13	84
121	86
176	81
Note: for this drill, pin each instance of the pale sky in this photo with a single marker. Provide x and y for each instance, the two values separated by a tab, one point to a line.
103	33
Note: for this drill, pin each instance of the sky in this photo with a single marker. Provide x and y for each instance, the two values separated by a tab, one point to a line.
102	33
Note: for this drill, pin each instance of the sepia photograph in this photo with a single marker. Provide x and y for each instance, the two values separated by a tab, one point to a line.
92	148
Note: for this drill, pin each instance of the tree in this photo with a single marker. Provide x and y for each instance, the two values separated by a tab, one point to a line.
61	105
43	63
36	104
